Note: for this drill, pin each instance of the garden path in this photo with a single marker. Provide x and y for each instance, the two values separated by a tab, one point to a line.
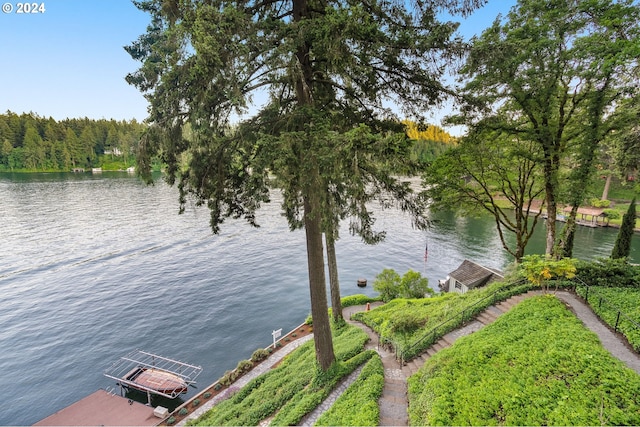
394	402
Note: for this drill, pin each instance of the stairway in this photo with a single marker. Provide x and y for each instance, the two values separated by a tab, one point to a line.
488	316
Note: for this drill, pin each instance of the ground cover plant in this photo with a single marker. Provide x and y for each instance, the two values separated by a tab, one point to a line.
409	323
607	302
358	299
358	405
294	388
535	365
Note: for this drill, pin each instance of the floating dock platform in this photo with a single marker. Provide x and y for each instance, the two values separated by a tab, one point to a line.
103	409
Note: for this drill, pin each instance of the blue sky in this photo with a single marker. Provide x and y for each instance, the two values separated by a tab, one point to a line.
69	61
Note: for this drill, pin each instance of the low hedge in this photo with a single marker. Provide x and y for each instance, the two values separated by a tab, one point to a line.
607	272
358	405
286	385
358	299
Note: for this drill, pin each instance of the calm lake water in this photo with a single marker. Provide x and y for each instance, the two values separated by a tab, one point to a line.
95	266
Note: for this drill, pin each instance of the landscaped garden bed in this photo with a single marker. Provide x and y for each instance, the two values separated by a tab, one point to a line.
225	383
535	365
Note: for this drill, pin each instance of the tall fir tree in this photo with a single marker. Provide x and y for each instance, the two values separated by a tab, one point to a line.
328	69
622	247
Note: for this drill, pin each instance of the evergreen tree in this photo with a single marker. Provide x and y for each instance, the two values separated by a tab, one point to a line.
328	67
33	150
74	147
622	247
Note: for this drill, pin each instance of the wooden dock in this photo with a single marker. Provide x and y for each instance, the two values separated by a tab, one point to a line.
103	409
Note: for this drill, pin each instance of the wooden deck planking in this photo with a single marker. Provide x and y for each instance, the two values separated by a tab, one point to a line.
102	408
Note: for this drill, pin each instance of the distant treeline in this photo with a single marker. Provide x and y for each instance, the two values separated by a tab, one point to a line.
31	142
430	141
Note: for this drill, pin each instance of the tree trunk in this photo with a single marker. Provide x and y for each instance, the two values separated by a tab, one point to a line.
551	208
317	287
607	185
334	284
568	234
312	210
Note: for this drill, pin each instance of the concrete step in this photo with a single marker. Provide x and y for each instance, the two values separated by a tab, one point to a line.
393	410
442	344
486	318
447	339
495	310
397	389
505	306
431	351
408	370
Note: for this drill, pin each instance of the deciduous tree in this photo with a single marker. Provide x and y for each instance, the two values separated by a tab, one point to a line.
492	171
544	63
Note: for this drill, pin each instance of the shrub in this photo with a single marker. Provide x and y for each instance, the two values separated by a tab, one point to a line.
387	283
183	411
358	299
206	395
391	286
195	402
613	273
612	213
217	387
171	421
228	378
259	355
540	269
599	203
244	366
406	323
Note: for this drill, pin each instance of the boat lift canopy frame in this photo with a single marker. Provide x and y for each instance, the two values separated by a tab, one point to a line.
142	359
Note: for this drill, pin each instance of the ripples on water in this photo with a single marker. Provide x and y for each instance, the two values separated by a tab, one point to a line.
92	267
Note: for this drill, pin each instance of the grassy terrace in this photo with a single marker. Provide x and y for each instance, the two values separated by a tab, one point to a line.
409	323
358	406
296	387
613	300
536	365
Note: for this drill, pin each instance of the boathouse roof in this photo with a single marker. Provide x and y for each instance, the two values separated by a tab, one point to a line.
587	211
473	275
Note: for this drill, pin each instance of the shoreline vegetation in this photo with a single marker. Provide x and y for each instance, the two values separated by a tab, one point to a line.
541	363
30	143
616	210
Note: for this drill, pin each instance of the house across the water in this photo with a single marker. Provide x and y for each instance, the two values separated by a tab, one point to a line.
469	275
